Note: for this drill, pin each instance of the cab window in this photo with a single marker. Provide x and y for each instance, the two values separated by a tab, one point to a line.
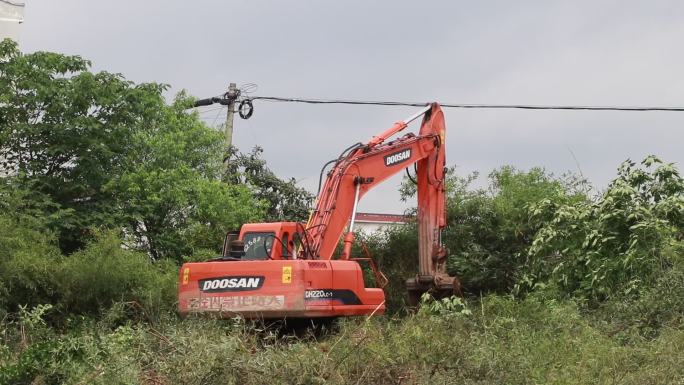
258	245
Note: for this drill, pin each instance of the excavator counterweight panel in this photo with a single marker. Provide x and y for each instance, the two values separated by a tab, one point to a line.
277	289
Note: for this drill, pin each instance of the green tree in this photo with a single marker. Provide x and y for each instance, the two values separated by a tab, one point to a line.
284	199
170	193
106	152
64	131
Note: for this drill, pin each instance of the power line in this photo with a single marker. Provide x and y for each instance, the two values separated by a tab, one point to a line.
209	110
466	105
213	123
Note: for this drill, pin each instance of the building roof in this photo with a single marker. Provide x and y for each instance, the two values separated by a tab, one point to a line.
381	218
11	11
15	3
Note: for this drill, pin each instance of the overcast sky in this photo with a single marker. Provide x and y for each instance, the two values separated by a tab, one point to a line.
531	52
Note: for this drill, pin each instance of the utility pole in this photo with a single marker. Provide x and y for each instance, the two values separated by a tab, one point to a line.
230	96
228	99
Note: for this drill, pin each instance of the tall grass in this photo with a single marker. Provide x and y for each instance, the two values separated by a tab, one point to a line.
498	341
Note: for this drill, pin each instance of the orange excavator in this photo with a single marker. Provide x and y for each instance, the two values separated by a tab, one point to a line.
289	269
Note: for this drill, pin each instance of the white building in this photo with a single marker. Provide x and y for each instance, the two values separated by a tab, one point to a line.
11	17
373	222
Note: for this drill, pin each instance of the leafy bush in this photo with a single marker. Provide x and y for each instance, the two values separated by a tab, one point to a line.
33	272
489	229
612	246
103	274
658	308
27	265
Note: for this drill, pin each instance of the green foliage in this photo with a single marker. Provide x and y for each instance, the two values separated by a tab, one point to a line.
64	131
104	273
26	207
395	251
101	151
170	195
449	306
28	366
32	273
658	308
285	201
27	258
503	341
490	229
612	246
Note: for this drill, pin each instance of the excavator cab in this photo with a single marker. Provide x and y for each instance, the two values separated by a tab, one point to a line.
260	242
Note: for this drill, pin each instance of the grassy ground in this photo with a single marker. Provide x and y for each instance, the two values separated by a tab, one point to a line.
495	341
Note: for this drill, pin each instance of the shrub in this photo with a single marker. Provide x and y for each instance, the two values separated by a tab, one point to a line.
488	229
395	251
659	307
33	272
28	260
612	246
104	273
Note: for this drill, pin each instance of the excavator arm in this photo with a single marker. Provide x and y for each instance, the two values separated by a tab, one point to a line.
365	166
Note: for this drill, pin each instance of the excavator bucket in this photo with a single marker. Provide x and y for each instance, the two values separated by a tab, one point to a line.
440	286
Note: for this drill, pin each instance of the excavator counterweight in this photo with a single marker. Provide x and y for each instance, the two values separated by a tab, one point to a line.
289	270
